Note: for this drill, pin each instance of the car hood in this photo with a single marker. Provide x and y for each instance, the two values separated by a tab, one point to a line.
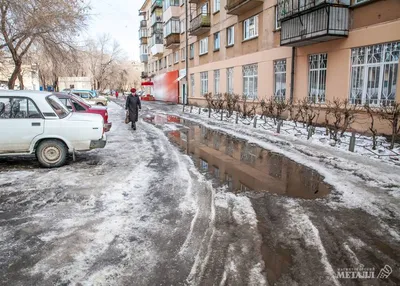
78	116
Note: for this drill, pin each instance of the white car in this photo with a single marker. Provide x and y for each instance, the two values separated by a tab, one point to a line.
38	123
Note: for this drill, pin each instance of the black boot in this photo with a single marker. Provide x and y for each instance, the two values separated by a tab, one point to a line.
133	125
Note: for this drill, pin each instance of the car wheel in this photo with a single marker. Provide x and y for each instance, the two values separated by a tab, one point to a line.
51	153
99	103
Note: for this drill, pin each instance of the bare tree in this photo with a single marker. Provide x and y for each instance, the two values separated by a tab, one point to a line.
372	113
103	54
51	24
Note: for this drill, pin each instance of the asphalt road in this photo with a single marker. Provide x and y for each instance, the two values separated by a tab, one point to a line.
139	212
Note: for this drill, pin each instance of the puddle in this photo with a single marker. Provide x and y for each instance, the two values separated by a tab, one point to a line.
240	165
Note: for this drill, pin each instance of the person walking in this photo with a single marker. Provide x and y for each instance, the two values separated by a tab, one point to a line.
133	105
116	94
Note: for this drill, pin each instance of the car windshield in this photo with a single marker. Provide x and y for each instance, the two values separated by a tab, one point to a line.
57	106
80	100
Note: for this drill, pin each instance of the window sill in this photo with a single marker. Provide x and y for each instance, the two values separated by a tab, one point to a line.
191	58
216	12
203	54
249	39
277	30
229	46
216	50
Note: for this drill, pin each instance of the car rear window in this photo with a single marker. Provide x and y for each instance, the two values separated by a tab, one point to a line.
57	106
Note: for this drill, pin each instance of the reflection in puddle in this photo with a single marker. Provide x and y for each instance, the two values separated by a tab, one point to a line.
244	166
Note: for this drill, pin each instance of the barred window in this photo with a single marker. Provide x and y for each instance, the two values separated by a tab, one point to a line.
317	77
374	72
280	79
204	83
250	81
192	83
216	81
229	81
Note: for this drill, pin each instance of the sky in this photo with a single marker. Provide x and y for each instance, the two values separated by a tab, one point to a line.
120	19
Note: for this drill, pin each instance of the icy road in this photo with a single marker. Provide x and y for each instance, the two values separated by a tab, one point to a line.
142	212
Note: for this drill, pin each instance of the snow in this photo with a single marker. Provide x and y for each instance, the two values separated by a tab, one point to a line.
360	180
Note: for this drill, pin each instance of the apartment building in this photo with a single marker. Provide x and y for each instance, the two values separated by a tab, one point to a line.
292	49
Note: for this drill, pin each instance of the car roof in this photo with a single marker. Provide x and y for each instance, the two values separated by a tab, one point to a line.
84	90
25	93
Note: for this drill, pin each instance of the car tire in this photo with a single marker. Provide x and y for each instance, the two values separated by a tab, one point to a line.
100	104
51	153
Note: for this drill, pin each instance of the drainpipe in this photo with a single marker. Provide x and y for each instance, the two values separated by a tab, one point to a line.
292	75
187	51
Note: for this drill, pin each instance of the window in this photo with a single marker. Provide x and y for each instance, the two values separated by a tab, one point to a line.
165	62
280	79
57	106
217	5
374	72
277	21
183	54
250	81
203	165
230	36
250	28
172	27
18	108
204	8
191	54
170	59
77	106
183	26
216	41
204	46
169	3
176	57
317	77
216	81
229	81
229	182
203	83
360	1
192	83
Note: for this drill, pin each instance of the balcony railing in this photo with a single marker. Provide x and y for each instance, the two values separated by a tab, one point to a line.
238	7
292	8
172	40
200	24
320	24
156	4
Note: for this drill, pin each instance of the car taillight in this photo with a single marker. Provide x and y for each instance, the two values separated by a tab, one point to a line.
106	117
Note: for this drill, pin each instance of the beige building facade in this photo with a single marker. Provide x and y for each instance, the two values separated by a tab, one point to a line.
292	49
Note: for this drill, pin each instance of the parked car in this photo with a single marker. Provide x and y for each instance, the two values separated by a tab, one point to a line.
91	97
75	104
33	122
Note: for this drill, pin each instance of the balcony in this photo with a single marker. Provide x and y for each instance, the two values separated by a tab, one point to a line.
200	24
156	4
143	36
194	1
143	24
155	19
238	7
172	40
315	22
144	58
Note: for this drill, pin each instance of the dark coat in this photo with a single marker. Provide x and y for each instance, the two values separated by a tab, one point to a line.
133	105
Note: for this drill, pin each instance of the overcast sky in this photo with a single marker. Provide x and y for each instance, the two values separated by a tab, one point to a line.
120	19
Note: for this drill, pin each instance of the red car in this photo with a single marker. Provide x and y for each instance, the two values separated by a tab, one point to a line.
76	104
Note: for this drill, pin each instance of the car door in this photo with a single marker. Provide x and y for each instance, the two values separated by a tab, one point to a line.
20	122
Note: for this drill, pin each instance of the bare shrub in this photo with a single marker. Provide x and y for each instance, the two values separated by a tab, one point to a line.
391	114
